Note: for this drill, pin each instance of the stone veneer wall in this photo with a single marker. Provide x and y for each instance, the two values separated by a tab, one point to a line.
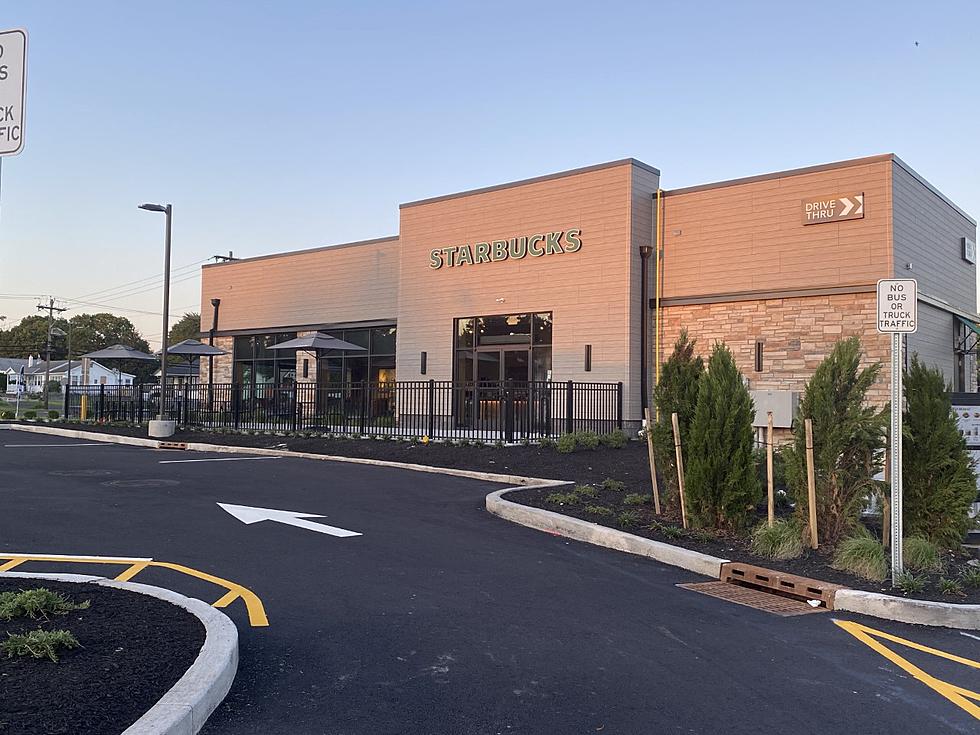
222	363
798	333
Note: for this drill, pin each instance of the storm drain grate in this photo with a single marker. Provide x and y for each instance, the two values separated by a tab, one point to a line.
765	601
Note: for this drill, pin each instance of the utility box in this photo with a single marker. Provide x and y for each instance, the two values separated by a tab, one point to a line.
782	403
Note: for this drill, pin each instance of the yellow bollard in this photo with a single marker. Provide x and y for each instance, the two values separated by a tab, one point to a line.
84	411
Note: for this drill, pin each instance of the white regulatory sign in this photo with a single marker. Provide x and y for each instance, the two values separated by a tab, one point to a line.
897	311
13	87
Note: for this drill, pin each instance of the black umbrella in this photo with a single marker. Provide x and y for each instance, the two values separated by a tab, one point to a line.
120	352
316	341
191	348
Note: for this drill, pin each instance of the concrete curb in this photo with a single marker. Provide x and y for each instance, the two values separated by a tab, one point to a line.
593	533
887	607
904	610
229	449
184	709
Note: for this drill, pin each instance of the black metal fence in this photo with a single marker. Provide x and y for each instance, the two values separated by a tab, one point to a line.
506	410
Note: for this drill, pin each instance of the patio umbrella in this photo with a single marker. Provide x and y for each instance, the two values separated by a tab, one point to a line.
191	348
120	352
316	341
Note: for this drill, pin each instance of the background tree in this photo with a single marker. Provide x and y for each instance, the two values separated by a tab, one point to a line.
27	337
676	391
721	482
848	437
939	484
187	327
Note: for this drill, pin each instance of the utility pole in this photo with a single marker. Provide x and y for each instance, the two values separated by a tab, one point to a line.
51	309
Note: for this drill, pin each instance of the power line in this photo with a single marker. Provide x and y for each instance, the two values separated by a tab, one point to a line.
141	286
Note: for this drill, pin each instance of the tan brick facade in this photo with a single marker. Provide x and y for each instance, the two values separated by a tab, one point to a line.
798	333
222	363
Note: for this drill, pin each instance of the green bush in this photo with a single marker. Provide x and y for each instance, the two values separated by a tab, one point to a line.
971	577
615	439
36	604
598	510
565	444
39	644
721	483
562	499
671	532
587	439
30	415
676	392
628	519
783	541
6	414
585	491
939	484
548	443
951	587
862	555
613	485
909	583
848	436
921	555
635	499
53	415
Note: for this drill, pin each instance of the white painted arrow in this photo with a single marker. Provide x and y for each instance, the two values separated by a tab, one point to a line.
248	515
848	206
860	201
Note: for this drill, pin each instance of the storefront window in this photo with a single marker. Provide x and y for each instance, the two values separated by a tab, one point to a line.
374	364
505	347
256	364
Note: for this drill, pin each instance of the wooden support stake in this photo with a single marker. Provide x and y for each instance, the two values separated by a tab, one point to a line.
653	462
886	506
811	484
680	467
772	496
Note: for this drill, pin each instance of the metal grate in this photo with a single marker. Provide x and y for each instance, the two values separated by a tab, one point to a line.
765	601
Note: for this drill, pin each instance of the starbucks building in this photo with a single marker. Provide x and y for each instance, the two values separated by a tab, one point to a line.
589	276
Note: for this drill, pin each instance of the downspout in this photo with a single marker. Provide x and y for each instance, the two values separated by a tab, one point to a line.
215	303
660	261
645	252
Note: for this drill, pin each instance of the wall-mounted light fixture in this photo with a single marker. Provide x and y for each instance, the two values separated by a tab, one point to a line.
588	358
423	360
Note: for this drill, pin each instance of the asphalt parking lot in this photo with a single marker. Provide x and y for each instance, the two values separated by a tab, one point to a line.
440	618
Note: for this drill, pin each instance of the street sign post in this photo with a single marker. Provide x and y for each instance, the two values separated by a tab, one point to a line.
897	315
13	88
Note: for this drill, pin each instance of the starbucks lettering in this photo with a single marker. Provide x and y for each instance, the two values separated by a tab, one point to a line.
516	248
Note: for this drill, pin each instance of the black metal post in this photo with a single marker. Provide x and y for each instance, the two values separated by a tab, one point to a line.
619	405
101	401
569	407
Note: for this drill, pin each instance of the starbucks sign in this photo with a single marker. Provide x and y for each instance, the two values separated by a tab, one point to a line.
516	248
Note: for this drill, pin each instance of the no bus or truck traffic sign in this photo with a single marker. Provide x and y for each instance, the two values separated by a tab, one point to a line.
13	87
897	311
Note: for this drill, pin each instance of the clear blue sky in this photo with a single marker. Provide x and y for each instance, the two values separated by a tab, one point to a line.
276	126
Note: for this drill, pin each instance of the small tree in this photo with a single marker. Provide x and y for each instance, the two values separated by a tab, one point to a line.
675	392
848	437
939	484
721	481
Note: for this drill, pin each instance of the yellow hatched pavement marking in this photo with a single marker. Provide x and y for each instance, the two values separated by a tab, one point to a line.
957	695
256	610
7	566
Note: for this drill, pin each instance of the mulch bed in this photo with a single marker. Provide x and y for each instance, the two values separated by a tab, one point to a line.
815	564
134	649
629	465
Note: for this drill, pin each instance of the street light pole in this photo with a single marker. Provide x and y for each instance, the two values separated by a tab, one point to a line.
168	211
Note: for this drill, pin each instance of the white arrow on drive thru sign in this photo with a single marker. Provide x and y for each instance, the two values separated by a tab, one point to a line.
248	515
848	206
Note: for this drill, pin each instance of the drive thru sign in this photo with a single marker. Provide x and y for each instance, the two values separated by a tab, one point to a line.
13	85
897	315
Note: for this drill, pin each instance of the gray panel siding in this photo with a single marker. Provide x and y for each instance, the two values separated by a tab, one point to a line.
926	233
934	339
934	343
